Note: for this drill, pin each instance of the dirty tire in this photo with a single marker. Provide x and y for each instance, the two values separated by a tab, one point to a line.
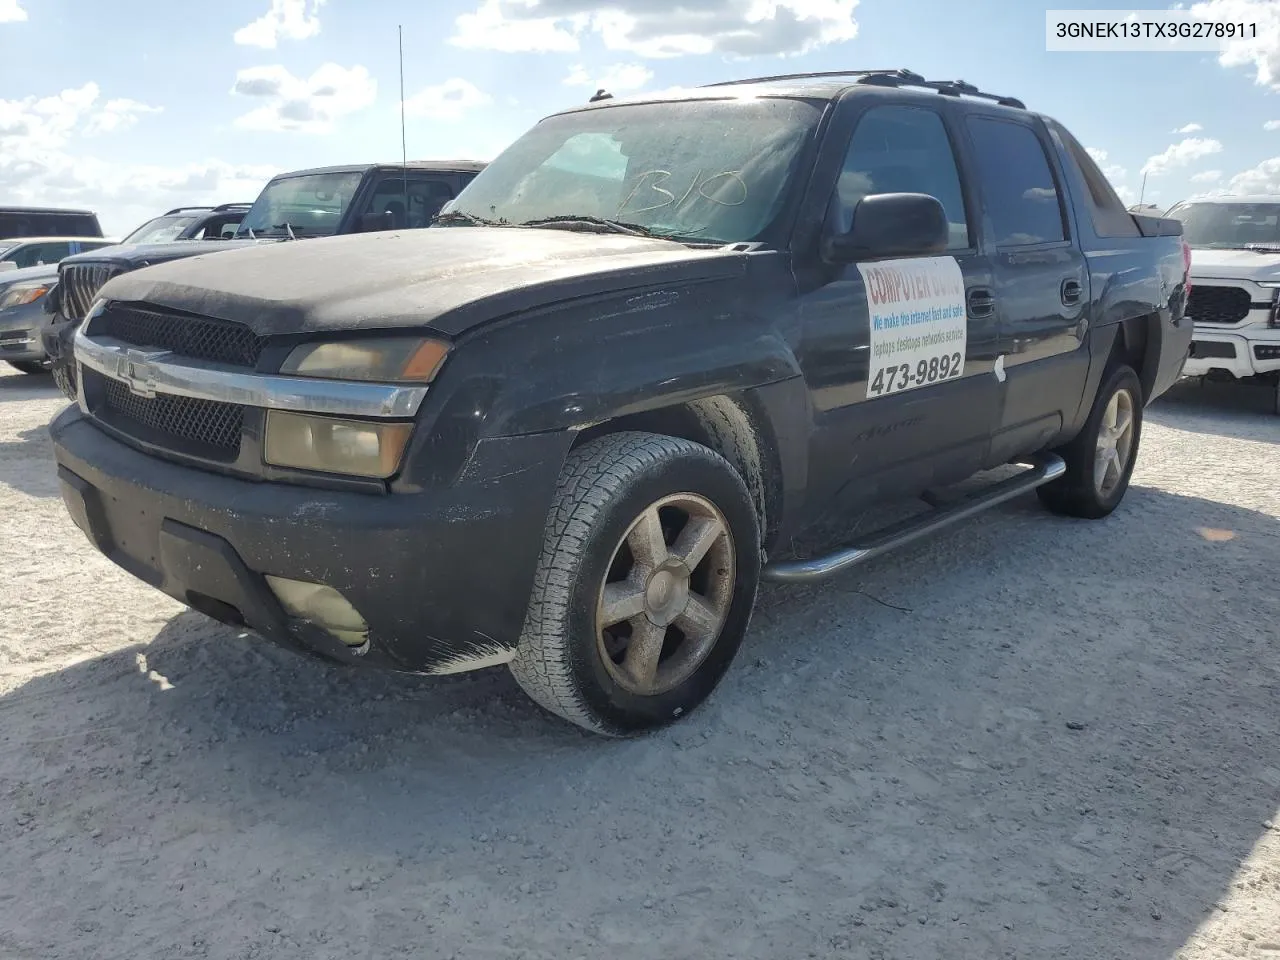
1076	493
605	486
31	367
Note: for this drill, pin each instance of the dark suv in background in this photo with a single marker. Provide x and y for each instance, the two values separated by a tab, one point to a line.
191	223
47	222
318	202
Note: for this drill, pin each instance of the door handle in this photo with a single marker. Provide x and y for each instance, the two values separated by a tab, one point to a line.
1071	291
980	301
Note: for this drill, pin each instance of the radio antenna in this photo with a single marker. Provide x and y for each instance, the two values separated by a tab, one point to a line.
404	143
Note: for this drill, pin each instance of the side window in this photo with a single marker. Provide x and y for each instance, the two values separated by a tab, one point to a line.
53	252
1018	187
1106	209
410	206
902	150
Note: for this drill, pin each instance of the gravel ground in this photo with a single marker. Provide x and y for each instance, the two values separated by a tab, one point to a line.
1028	737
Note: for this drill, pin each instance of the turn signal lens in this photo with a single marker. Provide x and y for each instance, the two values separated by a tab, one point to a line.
354	447
385	359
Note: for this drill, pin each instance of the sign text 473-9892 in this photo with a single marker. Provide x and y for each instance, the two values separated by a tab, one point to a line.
918	328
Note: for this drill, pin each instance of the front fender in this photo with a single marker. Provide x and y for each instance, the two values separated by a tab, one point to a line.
594	361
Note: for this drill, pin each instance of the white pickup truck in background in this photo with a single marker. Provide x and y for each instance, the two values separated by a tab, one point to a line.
1235	295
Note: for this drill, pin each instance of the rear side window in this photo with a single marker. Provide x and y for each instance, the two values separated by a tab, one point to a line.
1106	209
24	223
1018	186
903	150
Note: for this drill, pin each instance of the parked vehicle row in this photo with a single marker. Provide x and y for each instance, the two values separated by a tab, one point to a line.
572	426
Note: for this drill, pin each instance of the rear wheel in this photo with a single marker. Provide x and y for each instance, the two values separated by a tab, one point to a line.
645	586
30	366
1101	458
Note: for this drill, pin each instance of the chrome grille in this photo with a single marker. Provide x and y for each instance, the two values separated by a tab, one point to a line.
1209	304
79	284
200	338
213	427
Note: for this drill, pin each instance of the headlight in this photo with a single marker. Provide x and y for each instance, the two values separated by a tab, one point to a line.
386	359
356	447
21	294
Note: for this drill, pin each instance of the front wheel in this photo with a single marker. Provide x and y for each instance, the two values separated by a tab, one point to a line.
645	585
1101	458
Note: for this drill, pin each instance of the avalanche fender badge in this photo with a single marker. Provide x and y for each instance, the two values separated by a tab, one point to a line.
917	323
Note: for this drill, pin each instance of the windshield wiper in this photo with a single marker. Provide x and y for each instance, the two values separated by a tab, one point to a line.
572	220
457	216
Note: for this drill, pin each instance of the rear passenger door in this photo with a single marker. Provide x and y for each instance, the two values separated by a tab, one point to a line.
1041	280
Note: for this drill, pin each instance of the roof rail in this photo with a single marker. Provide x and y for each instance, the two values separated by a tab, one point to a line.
170	213
948	88
797	76
888	78
231	206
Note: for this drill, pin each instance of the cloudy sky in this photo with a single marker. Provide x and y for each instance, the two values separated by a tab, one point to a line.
134	106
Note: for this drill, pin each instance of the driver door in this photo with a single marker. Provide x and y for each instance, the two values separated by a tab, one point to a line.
901	379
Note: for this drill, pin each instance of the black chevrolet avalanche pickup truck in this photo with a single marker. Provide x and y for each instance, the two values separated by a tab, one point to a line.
573	425
301	204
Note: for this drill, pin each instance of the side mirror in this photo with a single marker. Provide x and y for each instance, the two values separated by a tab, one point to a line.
371	222
50	302
891	225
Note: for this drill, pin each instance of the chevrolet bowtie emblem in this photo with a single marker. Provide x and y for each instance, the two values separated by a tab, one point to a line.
137	368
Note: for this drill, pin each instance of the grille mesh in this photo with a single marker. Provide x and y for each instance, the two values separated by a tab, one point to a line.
200	338
1218	304
214	426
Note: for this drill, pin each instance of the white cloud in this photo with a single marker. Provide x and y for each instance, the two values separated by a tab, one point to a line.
1271	125
450	100
310	105
11	12
286	20
1261	53
1112	171
118	114
659	28
45	158
1264	178
1189	128
618	78
1208	176
1181	154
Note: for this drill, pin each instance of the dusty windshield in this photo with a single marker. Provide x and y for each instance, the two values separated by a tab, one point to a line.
160	230
310	205
1238	226
713	171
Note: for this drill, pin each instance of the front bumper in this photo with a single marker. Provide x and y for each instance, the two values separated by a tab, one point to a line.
442	577
20	333
1243	353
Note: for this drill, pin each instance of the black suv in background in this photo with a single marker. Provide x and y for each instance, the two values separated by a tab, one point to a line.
191	223
18	222
319	202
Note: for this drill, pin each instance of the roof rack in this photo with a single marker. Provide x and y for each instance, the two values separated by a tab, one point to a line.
798	76
892	78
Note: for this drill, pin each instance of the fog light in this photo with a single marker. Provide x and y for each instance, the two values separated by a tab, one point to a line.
330	445
323	606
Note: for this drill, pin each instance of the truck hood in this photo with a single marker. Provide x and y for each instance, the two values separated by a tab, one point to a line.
1211	264
448	278
134	255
